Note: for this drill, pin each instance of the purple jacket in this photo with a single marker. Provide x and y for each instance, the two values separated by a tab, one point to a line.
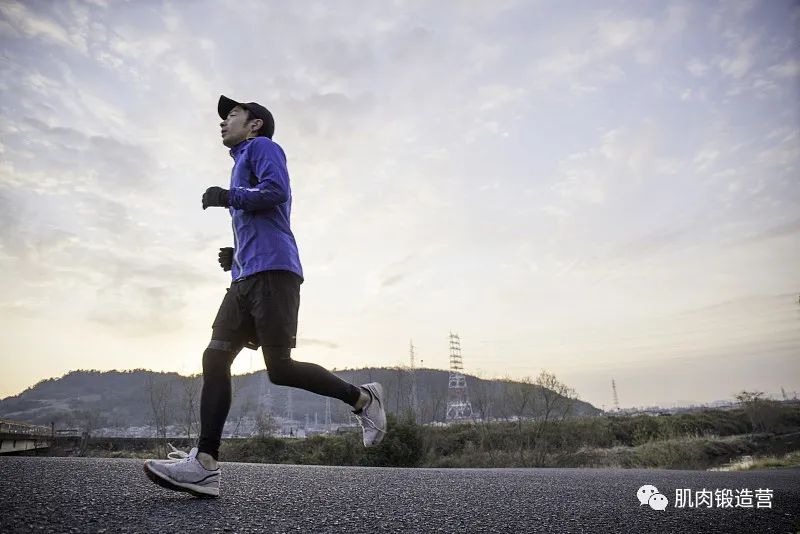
260	201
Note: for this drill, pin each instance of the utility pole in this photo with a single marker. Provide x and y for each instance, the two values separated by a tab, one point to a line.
414	405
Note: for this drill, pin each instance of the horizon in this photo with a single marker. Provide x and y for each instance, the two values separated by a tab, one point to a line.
790	394
605	191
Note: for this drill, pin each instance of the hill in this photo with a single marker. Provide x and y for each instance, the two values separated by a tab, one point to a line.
89	400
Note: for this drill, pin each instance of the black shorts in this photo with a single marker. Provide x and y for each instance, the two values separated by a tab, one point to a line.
259	310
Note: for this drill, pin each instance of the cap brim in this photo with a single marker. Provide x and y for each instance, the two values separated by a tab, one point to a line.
225	106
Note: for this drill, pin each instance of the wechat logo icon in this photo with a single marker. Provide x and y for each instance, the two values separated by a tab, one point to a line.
649	494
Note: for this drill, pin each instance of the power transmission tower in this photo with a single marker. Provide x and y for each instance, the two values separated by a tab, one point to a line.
289	413
458	405
616	397
414	407
328	414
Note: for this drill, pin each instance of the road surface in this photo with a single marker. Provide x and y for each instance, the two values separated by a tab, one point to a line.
85	495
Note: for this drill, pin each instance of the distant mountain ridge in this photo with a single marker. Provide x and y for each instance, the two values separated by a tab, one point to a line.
93	399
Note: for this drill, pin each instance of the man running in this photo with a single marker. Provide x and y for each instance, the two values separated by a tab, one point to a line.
260	306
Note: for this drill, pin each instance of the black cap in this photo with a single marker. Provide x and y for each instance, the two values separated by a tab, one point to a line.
257	111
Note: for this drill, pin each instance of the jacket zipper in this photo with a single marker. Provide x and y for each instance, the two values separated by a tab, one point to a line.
233	224
236	247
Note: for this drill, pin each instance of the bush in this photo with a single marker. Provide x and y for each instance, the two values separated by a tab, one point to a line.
401	447
344	449
691	453
267	449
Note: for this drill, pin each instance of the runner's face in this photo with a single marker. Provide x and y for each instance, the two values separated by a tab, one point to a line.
235	128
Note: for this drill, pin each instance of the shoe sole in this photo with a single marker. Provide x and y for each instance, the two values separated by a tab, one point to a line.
381	435
175	486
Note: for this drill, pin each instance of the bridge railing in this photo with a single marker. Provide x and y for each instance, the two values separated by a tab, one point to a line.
25	429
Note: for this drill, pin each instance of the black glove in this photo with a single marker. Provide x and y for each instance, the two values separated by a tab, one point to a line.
226	258
215	196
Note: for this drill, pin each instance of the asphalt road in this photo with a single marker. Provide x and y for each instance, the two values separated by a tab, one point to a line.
86	495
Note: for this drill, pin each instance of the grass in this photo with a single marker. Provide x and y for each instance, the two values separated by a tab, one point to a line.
749	463
691	452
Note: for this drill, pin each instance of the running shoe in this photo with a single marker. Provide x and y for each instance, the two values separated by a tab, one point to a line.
186	474
372	417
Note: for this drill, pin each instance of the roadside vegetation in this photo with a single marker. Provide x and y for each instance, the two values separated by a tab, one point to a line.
765	433
697	440
748	463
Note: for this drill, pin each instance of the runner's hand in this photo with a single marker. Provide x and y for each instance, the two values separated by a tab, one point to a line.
215	196
226	258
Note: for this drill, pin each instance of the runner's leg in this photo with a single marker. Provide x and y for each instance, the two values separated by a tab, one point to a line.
274	301
215	399
284	371
231	329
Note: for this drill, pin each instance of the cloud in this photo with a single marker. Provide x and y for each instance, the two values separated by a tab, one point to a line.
392	280
306	341
325	116
75	221
650	244
786	229
742	61
786	69
591	175
81	161
599	50
36	25
579	182
705	159
697	67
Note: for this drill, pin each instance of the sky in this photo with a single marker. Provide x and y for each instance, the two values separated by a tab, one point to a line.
605	190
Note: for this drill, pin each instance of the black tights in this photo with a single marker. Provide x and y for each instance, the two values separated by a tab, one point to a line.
215	399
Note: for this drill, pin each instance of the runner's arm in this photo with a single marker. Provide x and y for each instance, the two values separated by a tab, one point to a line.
268	164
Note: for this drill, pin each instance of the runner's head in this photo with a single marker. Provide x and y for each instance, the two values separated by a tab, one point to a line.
243	121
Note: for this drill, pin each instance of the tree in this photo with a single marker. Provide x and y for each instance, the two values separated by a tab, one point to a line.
502	405
756	408
557	398
432	407
248	403
190	402
521	396
399	371
265	424
159	391
480	398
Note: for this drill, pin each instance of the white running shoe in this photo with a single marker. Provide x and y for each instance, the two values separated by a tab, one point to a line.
372	417
185	474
